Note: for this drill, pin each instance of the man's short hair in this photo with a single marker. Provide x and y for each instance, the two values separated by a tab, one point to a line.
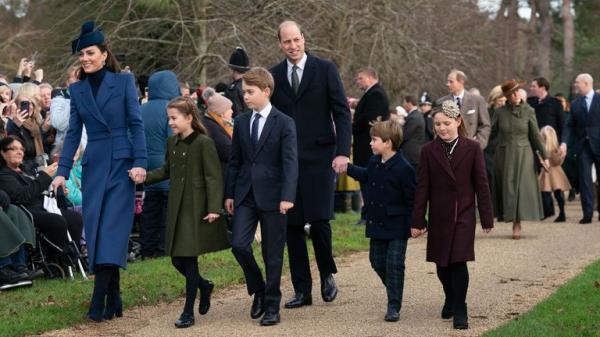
369	71
288	23
542	82
411	99
586	78
46	86
390	129
460	76
259	77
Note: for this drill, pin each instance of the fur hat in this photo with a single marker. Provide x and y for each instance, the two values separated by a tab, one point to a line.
90	36
239	60
216	102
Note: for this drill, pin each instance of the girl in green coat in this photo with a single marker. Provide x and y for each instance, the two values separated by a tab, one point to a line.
516	190
194	226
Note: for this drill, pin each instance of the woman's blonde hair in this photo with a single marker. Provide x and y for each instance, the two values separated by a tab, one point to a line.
4	88
550	139
494	95
31	92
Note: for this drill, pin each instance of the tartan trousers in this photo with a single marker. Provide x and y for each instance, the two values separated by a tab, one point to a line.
387	259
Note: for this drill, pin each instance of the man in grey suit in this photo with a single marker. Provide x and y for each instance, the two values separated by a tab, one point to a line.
413	131
473	108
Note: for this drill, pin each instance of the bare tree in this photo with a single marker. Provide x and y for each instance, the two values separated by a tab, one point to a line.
568	39
545	43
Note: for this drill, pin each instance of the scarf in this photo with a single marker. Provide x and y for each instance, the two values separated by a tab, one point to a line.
36	133
226	125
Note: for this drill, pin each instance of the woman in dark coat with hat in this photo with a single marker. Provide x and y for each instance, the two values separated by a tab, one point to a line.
105	101
451	177
516	189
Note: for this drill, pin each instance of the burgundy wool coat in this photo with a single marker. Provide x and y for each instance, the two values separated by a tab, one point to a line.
448	188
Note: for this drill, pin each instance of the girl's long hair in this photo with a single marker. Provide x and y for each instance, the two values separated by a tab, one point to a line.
186	107
550	139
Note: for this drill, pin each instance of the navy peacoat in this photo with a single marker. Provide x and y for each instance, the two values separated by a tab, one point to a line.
448	188
391	189
116	143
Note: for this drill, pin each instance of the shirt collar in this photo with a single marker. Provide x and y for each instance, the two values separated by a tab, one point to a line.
461	95
264	112
590	94
300	64
189	139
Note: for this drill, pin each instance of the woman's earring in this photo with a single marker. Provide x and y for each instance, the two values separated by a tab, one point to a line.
103	63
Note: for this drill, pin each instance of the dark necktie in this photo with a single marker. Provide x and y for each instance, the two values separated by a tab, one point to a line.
295	79
458	102
254	134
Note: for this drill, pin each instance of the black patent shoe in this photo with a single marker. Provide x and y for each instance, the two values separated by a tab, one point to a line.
185	321
205	295
392	315
258	306
270	318
328	288
299	300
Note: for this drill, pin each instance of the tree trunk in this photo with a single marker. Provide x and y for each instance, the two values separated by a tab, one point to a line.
545	45
568	39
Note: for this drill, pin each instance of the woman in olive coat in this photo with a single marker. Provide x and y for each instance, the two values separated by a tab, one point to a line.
194	226
516	190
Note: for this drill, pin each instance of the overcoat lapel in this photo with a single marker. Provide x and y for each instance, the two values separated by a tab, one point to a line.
105	91
459	154
285	85
91	105
438	154
307	75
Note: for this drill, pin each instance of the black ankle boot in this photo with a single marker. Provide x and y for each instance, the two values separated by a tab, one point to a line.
447	310
101	284
461	319
561	217
114	303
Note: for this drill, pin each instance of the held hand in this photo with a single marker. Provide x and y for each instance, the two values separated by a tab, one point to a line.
229	206
415	232
487	230
137	174
38	75
58	182
284	206
19	117
211	217
340	164
51	169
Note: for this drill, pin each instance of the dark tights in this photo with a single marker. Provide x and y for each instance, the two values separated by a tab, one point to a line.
188	267
455	280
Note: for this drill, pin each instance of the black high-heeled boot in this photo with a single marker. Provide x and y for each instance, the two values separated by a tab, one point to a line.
114	304
101	284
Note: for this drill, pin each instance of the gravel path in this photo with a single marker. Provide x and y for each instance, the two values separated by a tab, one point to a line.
507	279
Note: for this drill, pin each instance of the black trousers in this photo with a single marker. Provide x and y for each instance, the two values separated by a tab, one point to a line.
586	185
153	222
320	234
273	230
55	226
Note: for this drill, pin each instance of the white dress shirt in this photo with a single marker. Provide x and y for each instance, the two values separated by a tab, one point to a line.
299	71
461	96
264	113
588	99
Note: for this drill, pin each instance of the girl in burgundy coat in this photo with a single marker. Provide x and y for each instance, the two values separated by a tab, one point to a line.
451	174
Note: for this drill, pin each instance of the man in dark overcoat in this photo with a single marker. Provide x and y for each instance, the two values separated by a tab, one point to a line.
309	90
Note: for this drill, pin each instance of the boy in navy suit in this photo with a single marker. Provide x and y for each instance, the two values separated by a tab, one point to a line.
261	186
391	188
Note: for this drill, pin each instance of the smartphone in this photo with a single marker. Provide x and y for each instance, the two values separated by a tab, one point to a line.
24	107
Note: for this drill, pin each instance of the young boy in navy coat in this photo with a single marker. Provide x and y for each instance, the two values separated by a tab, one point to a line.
261	186
391	187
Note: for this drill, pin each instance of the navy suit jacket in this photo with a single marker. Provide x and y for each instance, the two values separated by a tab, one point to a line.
584	125
374	103
324	128
391	191
271	171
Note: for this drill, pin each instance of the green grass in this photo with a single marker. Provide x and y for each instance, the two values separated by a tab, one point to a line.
55	304
574	310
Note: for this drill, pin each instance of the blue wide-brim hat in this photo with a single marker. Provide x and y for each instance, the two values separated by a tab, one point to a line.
90	36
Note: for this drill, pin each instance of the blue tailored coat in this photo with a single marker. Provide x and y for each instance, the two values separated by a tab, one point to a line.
584	125
116	143
391	191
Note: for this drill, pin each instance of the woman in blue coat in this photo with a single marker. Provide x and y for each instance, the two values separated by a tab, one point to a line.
105	101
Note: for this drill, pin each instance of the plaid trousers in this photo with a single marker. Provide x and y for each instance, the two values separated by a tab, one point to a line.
387	259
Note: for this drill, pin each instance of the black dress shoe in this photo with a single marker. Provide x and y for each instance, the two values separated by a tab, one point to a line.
270	318
299	300
258	306
185	321
205	294
560	218
585	220
328	288
392	315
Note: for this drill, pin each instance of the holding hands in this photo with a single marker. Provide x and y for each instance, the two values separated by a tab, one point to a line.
211	217
340	164
285	206
137	174
416	232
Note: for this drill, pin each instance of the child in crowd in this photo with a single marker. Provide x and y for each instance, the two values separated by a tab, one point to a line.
553	178
195	196
451	176
391	188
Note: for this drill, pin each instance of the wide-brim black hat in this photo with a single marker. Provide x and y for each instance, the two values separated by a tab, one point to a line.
239	60
90	36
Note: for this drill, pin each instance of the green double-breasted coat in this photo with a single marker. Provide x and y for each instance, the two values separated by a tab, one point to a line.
195	189
515	185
